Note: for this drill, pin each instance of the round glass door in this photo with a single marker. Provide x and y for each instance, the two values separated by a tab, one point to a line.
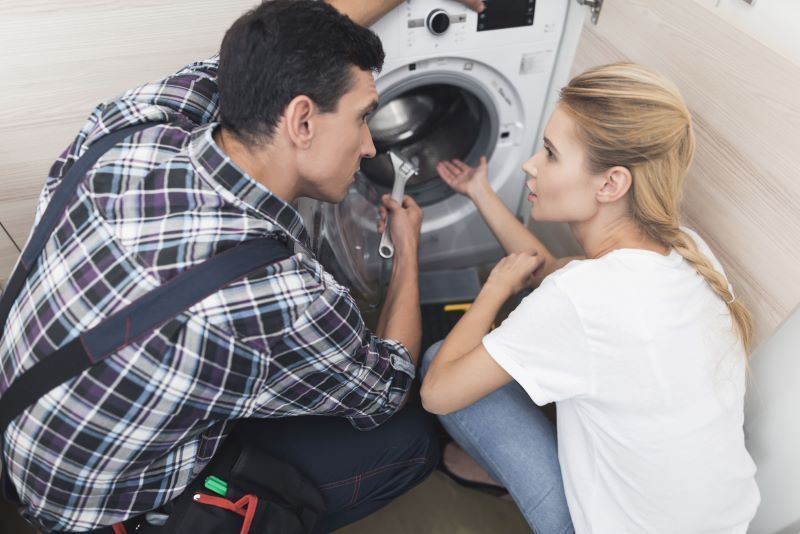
426	121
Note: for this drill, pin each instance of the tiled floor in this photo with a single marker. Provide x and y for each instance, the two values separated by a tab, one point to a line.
440	506
437	506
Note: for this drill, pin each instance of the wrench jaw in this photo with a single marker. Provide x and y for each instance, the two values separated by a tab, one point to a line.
403	170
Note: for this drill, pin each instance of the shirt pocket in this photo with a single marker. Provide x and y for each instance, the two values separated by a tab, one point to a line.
210	440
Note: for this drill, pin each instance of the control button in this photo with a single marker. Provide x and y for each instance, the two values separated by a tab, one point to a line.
438	21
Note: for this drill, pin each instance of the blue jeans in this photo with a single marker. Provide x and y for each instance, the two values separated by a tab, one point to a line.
507	434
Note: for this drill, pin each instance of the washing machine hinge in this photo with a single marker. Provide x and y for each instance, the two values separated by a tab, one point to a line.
595	6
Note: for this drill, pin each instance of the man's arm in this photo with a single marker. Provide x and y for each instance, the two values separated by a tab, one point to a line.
400	317
368	12
365	13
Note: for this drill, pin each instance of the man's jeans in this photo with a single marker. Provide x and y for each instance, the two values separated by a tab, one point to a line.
357	472
507	434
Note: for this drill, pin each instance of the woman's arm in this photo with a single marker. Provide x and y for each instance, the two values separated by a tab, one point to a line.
462	371
514	237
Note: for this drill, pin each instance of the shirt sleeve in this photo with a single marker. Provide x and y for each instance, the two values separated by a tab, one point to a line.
543	346
189	97
191	93
329	363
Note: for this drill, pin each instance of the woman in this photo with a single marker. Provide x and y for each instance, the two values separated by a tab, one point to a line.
641	344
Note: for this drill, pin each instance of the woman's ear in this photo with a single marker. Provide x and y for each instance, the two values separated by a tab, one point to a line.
616	183
299	117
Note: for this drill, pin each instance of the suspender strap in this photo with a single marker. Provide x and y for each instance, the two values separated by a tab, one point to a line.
124	327
55	209
137	319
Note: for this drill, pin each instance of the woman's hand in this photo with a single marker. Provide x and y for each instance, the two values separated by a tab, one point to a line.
514	273
469	181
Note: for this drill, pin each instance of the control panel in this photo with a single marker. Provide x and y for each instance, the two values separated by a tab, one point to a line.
425	27
500	14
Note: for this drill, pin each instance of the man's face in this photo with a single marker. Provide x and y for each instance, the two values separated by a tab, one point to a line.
341	139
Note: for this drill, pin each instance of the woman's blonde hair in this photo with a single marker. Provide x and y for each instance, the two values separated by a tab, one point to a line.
631	116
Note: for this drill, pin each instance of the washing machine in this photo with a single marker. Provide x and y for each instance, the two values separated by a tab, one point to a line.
455	84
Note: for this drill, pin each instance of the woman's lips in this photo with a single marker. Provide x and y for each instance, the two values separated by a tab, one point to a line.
532	197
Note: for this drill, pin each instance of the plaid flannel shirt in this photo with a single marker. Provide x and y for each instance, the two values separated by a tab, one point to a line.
129	434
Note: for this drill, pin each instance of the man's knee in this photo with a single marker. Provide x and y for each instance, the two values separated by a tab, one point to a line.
416	434
413	455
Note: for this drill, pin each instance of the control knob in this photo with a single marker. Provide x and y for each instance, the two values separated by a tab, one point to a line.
438	21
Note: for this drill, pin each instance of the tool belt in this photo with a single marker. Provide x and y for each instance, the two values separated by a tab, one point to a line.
241	491
281	500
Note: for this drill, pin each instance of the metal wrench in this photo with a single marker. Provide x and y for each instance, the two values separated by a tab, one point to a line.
403	170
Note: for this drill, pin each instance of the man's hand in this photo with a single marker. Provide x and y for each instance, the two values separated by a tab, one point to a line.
475	5
367	12
404	223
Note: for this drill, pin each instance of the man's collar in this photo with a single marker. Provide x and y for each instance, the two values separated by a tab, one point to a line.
216	167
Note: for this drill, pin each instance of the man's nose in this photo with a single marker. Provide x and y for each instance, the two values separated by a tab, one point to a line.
367	146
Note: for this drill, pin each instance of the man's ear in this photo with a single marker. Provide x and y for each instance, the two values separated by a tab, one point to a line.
299	116
616	183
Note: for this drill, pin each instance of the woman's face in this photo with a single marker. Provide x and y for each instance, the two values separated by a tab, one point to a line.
561	187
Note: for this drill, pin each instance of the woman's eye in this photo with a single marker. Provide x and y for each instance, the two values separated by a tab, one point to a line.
550	154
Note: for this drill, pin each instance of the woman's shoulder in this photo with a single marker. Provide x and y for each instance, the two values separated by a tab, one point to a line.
617	275
591	269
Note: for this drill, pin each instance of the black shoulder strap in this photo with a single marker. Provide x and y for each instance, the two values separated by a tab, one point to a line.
137	319
55	209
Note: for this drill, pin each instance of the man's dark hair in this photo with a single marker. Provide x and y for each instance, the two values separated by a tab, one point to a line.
282	49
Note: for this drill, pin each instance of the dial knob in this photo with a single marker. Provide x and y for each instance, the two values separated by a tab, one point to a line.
438	21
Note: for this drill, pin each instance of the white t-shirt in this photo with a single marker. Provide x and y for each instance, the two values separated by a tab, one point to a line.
648	376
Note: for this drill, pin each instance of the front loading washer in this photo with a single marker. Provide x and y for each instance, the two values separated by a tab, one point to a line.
455	84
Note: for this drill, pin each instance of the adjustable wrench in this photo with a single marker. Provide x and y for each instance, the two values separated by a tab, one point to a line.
403	171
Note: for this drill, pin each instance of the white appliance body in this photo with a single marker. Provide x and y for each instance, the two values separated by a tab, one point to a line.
503	84
510	71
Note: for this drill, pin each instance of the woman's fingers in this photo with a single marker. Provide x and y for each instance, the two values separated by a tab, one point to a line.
444	172
460	165
451	168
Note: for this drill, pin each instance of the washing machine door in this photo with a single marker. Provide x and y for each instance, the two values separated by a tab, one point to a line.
345	240
434	117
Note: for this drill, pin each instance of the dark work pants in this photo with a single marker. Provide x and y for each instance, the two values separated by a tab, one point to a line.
358	472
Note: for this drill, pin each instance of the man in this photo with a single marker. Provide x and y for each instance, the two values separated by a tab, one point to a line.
281	114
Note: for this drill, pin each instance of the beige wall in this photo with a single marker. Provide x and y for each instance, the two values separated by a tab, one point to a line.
61	59
743	193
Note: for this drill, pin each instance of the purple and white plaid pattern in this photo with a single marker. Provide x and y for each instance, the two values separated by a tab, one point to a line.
129	434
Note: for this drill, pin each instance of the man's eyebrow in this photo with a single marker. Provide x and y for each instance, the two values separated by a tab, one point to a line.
552	146
369	108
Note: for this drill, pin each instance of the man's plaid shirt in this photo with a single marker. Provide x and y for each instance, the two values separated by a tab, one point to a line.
129	434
